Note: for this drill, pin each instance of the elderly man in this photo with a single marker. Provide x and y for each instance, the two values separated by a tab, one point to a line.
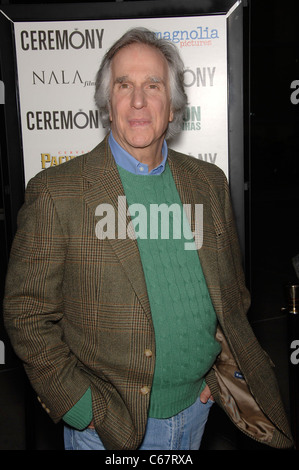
127	335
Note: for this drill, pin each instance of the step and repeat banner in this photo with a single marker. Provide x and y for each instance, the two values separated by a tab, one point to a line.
57	64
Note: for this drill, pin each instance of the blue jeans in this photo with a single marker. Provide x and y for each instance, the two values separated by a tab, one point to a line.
183	431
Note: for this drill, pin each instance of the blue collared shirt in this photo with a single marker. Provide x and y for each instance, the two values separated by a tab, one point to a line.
129	163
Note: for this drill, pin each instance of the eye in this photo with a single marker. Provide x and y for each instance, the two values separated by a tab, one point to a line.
153	86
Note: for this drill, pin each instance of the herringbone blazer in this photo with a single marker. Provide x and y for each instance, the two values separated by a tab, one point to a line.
78	315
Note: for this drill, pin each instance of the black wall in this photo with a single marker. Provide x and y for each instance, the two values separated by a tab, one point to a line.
274	156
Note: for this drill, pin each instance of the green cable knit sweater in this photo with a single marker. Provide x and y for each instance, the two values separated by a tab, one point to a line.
183	316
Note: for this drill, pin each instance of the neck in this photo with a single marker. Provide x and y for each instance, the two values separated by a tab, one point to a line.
150	156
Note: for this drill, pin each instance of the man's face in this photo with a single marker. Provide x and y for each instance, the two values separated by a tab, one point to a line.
140	100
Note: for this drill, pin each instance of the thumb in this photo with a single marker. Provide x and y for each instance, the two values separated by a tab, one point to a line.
205	395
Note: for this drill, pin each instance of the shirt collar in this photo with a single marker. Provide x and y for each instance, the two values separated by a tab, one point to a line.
129	163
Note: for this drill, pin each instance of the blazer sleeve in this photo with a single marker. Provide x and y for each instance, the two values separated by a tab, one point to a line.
33	303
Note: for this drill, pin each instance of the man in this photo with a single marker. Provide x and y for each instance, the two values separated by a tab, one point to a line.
128	335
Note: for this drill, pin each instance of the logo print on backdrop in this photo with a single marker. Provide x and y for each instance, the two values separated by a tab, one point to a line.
190	38
56	120
52	40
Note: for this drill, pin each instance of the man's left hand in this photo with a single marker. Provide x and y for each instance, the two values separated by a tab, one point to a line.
206	395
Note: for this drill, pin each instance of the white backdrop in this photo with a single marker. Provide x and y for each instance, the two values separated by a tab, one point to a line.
57	63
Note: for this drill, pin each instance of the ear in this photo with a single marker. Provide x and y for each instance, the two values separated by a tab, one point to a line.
110	112
170	116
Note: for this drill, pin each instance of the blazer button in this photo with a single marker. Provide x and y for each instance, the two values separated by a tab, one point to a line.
45	408
144	390
148	353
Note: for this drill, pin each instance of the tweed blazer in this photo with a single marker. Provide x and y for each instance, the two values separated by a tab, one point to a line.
78	315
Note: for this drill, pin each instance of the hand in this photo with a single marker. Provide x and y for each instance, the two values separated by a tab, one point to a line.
206	395
91	425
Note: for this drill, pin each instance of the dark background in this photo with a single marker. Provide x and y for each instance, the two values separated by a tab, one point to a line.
271	64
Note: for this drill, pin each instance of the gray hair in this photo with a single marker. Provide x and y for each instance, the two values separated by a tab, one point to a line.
176	73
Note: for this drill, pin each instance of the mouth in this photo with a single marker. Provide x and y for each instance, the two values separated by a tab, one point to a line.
139	122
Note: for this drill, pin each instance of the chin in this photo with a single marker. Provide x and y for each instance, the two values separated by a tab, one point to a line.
139	141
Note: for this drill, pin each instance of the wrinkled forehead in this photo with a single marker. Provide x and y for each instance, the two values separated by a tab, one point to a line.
139	58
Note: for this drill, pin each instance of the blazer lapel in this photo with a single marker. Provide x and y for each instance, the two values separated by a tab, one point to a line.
103	186
194	189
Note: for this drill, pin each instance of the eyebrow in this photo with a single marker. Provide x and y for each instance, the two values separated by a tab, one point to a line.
122	79
151	78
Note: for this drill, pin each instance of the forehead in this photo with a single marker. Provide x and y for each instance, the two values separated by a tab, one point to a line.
139	58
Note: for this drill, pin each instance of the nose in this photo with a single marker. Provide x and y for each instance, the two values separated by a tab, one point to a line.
138	98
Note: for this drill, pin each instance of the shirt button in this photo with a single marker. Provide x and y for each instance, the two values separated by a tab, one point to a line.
148	353
144	390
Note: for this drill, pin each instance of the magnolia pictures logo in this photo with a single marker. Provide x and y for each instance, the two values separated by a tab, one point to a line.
199	36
